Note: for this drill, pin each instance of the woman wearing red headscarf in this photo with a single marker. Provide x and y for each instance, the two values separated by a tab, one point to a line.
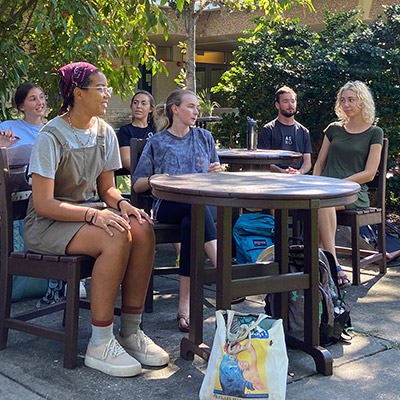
73	160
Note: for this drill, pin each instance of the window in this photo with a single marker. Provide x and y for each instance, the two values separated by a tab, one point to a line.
164	53
209	57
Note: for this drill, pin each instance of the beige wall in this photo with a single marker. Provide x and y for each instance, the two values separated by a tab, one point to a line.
163	85
118	110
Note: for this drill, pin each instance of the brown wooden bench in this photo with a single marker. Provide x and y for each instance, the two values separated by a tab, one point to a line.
14	193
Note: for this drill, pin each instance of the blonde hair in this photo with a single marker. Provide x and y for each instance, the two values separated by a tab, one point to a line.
163	115
365	101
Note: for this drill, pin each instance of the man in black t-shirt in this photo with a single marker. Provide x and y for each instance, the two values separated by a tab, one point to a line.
284	133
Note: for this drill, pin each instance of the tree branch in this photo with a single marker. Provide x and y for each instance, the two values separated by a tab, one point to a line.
34	3
3	6
203	6
15	13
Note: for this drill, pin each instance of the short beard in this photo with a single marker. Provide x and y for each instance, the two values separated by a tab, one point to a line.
288	114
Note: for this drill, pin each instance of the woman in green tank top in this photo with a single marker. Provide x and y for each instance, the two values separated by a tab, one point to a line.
350	150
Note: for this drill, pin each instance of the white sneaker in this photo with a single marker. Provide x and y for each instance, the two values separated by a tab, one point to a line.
112	359
82	290
141	347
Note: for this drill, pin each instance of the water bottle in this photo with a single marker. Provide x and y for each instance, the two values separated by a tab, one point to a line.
251	134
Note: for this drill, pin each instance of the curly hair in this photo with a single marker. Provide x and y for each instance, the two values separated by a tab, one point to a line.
365	101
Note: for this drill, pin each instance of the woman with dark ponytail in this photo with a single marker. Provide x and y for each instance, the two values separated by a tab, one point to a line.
141	127
30	100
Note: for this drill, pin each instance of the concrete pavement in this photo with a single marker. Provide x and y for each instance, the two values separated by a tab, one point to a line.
31	367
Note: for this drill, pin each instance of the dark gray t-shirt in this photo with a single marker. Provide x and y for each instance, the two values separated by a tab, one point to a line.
277	136
166	153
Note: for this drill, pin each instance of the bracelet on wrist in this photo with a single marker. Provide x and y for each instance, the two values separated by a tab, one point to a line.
87	210
119	202
93	218
148	181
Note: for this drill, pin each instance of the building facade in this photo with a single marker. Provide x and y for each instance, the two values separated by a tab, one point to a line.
216	39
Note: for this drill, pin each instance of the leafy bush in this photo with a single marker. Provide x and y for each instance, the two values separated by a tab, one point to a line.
230	131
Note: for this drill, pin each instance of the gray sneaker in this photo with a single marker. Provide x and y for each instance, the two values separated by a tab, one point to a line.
141	347
112	359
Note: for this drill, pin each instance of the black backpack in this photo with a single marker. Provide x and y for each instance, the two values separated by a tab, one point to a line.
334	313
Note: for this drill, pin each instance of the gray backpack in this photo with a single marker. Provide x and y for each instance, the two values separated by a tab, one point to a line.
334	314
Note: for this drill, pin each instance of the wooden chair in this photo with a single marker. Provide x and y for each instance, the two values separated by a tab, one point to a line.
14	194
369	216
165	233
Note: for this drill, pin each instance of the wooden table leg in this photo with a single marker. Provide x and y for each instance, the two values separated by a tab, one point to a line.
224	258
282	257
322	357
193	344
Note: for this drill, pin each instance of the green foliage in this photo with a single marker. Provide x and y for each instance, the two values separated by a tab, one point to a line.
39	36
206	105
123	184
393	193
181	79
316	65
230	131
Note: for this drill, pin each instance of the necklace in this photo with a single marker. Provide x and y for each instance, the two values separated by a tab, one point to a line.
76	135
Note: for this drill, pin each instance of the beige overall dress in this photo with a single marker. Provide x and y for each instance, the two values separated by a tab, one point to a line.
75	182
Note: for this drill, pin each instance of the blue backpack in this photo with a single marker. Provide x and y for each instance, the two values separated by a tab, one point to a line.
25	287
252	233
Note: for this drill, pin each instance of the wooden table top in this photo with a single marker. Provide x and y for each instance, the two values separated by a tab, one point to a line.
259	156
258	189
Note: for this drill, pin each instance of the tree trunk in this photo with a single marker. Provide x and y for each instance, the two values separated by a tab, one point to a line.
190	67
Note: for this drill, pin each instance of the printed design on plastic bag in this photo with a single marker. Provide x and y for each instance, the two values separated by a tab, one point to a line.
241	369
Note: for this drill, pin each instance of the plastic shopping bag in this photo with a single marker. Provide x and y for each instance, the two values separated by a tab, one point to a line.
248	359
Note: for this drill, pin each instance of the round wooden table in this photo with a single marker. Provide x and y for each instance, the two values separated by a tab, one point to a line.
256	190
256	159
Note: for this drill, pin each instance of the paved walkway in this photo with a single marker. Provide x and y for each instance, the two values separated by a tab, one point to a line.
369	368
